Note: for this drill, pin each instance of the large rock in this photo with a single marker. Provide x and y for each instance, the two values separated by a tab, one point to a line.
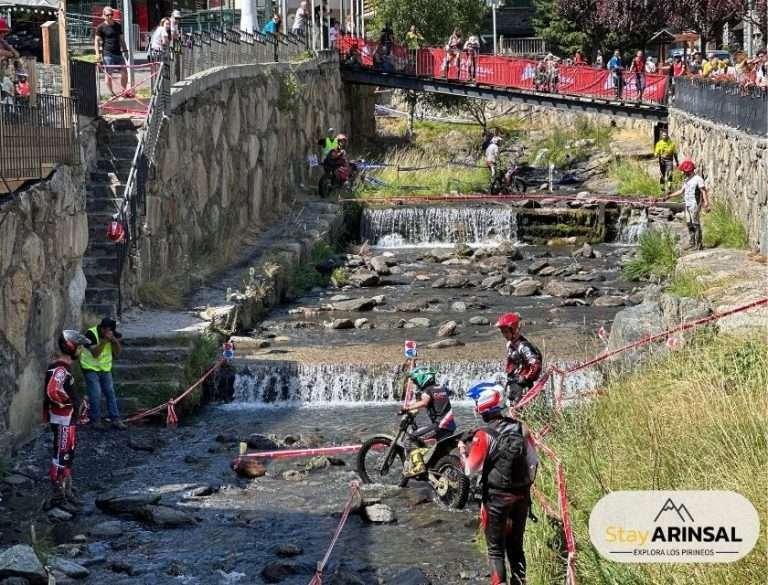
364	278
419	322
379	514
440	254
261	442
126	504
413	306
69	568
165	516
21	561
447	329
527	288
249	469
585	251
479	320
500	263
492	281
509	250
536	266
342	324
361	304
609	301
380	265
566	290
451	281
108	529
635	323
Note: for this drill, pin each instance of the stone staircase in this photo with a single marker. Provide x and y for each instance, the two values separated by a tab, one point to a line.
116	145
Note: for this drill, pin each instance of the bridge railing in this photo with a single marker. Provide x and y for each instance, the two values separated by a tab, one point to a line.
507	72
745	109
521	47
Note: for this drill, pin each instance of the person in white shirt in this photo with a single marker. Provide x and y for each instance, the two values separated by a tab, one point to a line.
695	198
300	19
491	154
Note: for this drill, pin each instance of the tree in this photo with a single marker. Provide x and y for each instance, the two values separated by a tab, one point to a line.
561	34
707	17
632	22
435	19
759	18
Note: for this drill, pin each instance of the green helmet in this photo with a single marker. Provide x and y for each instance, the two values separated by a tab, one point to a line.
423	376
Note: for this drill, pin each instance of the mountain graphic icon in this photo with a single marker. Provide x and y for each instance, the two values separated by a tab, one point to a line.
681	511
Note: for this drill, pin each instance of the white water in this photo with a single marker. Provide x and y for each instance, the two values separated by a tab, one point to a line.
435	226
631	229
290	383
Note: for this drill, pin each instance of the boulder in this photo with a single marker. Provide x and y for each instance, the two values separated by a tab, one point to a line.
261	442
462	250
527	288
479	320
492	281
451	281
537	266
165	516
509	250
439	254
364	278
547	271
287	550
379	514
293	475
413	307
243	343
108	529
21	561
59	515
342	324
563	289
609	301
379	265
447	329
445	343
500	263
586	277
458	307
361	304
635	323
126	504
419	322
69	568
362	323
585	251
456	262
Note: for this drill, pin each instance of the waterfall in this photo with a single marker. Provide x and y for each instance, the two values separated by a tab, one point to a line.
633	227
280	382
435	226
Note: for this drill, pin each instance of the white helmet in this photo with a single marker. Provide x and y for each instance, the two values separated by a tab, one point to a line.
496	139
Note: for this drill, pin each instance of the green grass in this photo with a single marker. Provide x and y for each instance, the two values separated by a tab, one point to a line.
722	228
560	142
634	180
304	276
340	277
163	293
694	419
205	350
687	284
656	256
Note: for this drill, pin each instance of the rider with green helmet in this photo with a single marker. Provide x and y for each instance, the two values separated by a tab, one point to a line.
436	400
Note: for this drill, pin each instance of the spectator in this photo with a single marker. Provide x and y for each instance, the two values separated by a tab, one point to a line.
579	60
7	52
711	66
300	19
413	38
553	72
638	68
272	26
22	89
599	62
333	34
161	37
678	66
7	92
175	25
353	58
110	46
666	153
491	155
616	67
761	75
387	38
472	49
650	65
96	364
697	65
453	53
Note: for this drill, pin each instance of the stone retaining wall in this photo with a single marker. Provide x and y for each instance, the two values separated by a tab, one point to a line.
735	165
43	235
233	154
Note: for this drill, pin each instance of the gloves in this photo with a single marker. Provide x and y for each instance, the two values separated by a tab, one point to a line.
467	436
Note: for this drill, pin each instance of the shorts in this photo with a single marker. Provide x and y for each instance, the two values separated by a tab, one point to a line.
113	60
692	214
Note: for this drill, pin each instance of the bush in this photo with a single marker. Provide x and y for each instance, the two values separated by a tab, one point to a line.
691	420
634	179
304	276
204	352
290	90
687	284
561	143
722	228
162	294
656	256
339	277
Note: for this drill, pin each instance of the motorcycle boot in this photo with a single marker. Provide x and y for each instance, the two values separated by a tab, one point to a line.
70	494
58	499
699	237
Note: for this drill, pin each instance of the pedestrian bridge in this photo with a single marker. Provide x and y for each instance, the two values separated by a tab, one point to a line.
493	77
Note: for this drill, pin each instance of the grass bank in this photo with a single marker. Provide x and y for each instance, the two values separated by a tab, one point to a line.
694	419
565	146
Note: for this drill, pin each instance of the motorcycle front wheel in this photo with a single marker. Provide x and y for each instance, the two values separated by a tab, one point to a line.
371	462
452	486
519	185
497	187
325	185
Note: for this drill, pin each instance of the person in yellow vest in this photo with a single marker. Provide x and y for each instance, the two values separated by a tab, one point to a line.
328	143
96	364
666	152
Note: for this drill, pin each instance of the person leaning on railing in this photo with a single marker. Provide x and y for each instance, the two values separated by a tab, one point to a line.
109	45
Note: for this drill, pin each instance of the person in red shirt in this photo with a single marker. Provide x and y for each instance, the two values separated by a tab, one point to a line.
61	407
638	68
524	360
678	67
506	461
579	60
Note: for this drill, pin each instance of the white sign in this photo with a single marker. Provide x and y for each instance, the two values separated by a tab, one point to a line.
674	526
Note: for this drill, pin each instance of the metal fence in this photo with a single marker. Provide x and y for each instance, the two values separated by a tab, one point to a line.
35	135
745	109
521	47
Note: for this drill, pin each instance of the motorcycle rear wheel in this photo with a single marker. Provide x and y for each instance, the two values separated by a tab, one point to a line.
456	485
370	459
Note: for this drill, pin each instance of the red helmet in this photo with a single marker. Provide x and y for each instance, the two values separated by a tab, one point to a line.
509	321
687	166
4	28
116	231
70	340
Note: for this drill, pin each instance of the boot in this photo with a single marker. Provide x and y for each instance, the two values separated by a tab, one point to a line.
58	499
691	237
69	494
699	237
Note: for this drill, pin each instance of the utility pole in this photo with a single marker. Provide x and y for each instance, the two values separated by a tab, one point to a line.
749	30
494	4
128	35
66	82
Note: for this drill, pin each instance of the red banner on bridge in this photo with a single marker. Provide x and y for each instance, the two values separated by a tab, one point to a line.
509	72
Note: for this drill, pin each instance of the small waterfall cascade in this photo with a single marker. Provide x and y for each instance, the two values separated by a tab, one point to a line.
634	225
279	382
435	226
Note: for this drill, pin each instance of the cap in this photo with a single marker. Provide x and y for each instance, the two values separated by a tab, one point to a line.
107	323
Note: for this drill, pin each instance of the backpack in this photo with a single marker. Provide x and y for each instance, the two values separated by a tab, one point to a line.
506	466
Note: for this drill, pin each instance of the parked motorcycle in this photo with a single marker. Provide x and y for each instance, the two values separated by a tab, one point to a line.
341	177
508	181
382	460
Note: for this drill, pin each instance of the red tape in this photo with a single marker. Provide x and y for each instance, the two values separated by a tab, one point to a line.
354	489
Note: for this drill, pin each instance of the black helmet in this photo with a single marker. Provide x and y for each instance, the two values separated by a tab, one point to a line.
70	340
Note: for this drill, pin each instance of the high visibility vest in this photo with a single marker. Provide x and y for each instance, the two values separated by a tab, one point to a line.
329	145
103	363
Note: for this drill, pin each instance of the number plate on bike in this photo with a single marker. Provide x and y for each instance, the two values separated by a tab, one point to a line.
410	349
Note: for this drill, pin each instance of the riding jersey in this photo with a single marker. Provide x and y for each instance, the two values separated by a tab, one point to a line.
523	361
60	399
439	407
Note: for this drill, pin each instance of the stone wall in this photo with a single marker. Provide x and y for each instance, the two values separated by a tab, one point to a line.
233	154
735	165
43	235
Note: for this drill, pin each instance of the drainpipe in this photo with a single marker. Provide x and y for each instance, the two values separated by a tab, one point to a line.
128	34
314	28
